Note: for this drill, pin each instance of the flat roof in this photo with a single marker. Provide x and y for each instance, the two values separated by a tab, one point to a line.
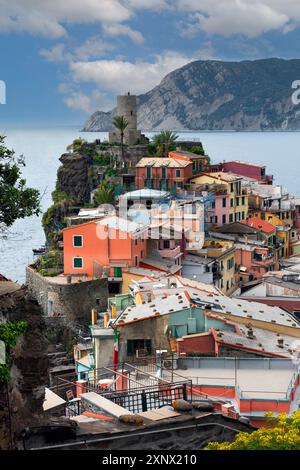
259	383
52	400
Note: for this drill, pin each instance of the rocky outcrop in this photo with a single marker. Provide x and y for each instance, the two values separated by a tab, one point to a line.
214	95
22	398
73	176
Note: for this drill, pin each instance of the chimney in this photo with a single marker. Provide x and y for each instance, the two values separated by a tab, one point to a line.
280	342
250	333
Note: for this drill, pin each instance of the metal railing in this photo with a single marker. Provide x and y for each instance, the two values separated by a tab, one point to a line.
149	398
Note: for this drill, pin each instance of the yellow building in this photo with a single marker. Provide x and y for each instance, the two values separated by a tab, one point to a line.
283	222
223	252
232	204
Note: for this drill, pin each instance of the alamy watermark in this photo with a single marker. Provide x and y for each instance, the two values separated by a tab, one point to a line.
2	92
296	94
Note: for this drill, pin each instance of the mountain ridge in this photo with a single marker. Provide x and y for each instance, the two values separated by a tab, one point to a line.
217	95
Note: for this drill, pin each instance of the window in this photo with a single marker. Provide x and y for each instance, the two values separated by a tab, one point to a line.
136	261
178	173
224	219
117	272
231	187
231	202
77	263
230	263
77	241
135	345
230	218
148	172
213	204
136	241
163	172
166	244
237	201
243	215
224	202
243	200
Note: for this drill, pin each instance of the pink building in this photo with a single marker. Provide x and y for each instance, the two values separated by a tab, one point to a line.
247	169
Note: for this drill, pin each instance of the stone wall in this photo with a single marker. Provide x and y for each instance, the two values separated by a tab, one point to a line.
73	301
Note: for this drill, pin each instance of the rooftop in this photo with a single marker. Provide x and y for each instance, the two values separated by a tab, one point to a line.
223	176
245	309
263	341
260	224
158	162
162	265
259	165
159	306
257	382
186	154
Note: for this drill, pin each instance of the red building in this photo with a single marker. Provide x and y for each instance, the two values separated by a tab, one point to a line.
163	173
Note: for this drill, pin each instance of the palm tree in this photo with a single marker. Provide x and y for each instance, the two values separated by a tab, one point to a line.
164	142
104	194
121	124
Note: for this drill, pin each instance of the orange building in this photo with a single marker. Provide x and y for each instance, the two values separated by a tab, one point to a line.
112	243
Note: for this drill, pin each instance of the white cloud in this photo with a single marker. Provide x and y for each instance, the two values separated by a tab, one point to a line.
120	76
80	101
49	17
249	18
92	47
149	4
123	30
55	54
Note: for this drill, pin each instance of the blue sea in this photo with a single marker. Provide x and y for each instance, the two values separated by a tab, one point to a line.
43	147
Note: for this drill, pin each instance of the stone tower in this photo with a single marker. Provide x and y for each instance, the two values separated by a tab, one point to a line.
127	108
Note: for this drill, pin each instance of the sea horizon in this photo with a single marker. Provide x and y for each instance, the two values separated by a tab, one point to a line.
42	146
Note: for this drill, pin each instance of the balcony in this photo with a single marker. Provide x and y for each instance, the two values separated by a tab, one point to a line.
170	252
263	260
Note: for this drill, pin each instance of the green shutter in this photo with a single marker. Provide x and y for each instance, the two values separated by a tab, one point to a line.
117	272
77	240
78	263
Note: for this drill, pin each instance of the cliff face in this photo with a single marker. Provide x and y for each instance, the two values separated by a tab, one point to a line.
73	176
215	95
22	398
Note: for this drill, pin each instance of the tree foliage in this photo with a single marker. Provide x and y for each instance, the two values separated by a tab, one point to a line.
282	433
16	200
121	124
164	142
104	194
77	145
9	333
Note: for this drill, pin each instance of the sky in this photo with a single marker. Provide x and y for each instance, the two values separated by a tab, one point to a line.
61	60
